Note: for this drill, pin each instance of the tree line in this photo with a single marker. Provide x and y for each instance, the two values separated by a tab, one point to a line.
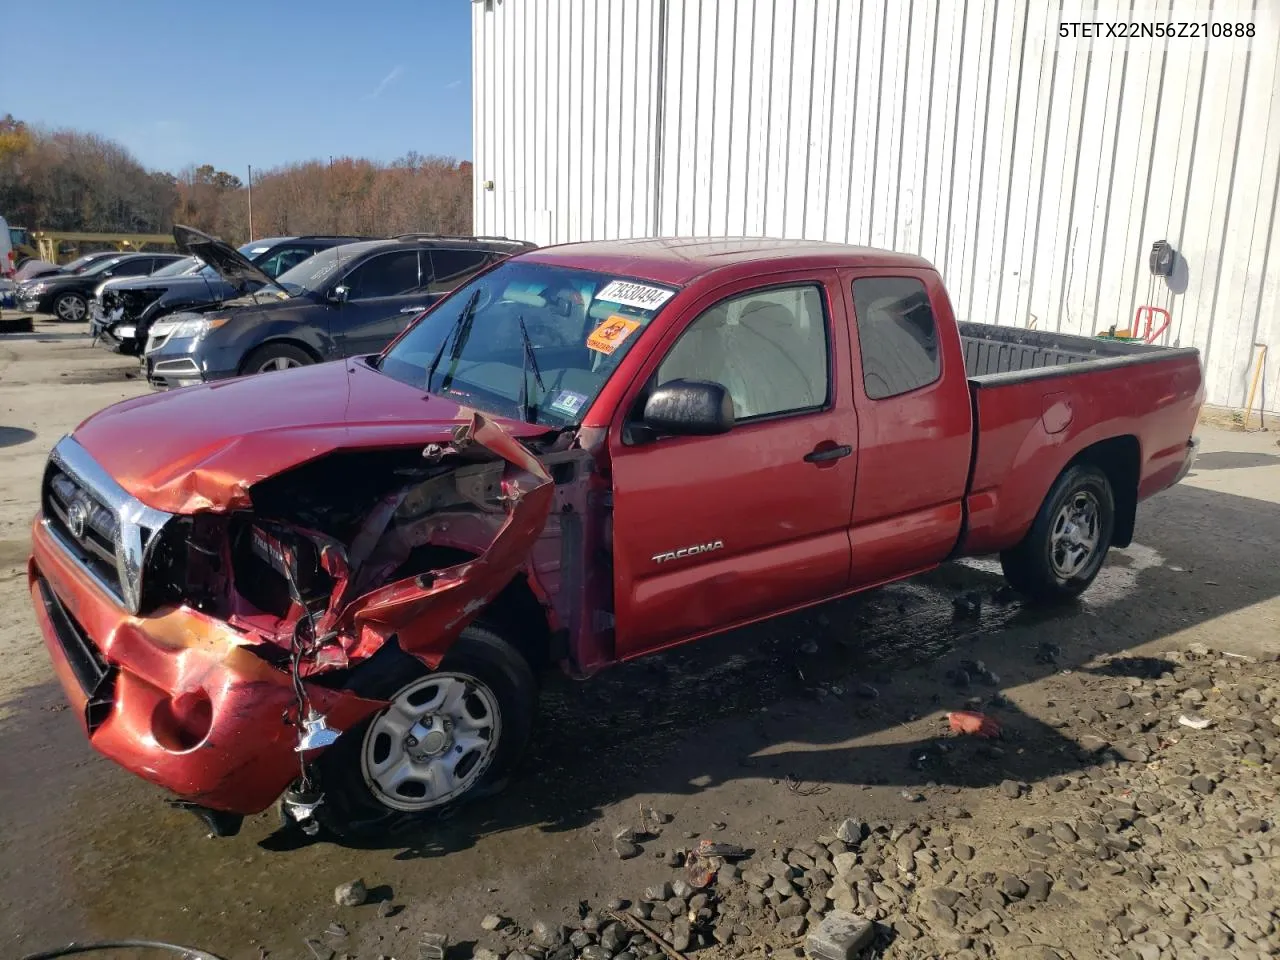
74	181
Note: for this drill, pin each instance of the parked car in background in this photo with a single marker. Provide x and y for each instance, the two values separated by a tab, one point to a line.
8	256
346	301
66	295
35	268
126	311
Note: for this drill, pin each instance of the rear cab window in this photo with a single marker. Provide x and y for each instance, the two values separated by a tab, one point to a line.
897	335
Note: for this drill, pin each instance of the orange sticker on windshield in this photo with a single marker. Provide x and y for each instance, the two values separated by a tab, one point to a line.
611	334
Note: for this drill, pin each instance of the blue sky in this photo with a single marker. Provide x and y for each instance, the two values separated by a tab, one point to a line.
236	82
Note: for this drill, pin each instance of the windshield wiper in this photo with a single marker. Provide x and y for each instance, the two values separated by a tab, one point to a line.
464	320
528	410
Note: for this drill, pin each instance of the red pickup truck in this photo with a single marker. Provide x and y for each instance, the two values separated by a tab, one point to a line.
338	583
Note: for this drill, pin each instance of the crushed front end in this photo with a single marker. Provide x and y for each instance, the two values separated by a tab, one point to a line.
209	652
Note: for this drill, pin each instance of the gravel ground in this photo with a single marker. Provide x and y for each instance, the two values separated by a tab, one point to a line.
1096	825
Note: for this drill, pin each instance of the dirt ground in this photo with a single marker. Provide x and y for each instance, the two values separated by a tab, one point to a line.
769	737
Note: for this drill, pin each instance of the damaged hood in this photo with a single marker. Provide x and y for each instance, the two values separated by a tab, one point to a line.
203	448
231	264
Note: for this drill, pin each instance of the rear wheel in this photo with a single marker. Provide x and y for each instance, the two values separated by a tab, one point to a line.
276	356
71	307
445	736
1063	551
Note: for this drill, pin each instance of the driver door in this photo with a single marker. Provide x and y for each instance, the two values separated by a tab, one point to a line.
711	532
383	293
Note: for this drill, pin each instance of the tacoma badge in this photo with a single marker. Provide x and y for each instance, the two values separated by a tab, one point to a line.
688	551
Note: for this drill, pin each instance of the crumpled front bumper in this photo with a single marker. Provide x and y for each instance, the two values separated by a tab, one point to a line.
177	698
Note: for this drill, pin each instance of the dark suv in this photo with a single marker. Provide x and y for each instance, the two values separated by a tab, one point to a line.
127	310
349	300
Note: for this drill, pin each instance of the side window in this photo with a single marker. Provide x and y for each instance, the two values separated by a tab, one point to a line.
284	259
385	275
133	268
767	347
451	268
897	335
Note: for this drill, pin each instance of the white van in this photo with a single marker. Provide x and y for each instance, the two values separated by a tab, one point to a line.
8	259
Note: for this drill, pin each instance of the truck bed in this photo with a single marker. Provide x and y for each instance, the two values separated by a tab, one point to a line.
1000	355
1037	396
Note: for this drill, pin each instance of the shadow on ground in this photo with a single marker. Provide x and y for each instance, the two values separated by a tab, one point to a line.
1232	460
747	707
750	704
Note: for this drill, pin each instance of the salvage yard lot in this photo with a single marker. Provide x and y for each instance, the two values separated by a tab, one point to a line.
768	737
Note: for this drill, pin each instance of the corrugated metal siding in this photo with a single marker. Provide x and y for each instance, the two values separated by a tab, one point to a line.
1035	173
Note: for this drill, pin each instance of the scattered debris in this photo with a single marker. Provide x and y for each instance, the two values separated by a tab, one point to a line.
1195	723
968	605
433	946
973	724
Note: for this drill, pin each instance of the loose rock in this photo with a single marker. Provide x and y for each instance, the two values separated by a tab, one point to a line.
840	936
351	894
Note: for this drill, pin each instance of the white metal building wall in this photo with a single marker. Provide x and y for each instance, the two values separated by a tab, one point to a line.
1034	172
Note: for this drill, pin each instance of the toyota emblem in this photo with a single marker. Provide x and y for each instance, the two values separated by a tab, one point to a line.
77	518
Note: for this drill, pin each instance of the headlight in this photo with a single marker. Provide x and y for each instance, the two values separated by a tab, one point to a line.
34	289
192	328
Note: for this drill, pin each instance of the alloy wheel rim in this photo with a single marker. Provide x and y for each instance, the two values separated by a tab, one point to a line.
1074	537
278	363
70	308
432	743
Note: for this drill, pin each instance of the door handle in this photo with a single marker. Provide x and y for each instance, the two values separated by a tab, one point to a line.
412	309
823	454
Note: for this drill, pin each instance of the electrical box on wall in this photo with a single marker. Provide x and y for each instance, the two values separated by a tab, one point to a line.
1162	258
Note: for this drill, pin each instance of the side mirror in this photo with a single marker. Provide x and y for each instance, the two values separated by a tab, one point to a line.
689	408
339	294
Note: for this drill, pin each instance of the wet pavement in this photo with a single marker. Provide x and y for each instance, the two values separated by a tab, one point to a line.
748	730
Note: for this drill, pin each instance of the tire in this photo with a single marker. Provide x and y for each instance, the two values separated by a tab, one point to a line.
276	356
1063	551
354	773
71	307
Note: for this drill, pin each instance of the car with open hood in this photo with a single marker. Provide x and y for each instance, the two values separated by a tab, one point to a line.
348	300
67	295
124	313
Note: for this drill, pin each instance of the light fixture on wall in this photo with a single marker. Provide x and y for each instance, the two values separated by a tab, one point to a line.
1163	257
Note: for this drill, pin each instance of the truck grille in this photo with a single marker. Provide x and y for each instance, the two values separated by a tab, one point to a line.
86	526
107	531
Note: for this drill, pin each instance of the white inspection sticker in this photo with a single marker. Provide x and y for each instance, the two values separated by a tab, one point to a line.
634	294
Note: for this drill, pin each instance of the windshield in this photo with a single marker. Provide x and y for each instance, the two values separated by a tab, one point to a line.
313	273
98	266
179	267
82	264
579	326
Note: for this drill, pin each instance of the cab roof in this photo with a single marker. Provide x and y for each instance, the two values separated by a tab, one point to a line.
678	261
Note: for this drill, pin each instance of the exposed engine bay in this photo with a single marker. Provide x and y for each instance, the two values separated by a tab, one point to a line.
357	546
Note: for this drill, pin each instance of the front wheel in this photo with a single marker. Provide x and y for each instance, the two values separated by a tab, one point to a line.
71	307
1063	551
276	356
446	735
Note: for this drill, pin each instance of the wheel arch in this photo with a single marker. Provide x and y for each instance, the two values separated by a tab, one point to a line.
516	613
279	341
1120	458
